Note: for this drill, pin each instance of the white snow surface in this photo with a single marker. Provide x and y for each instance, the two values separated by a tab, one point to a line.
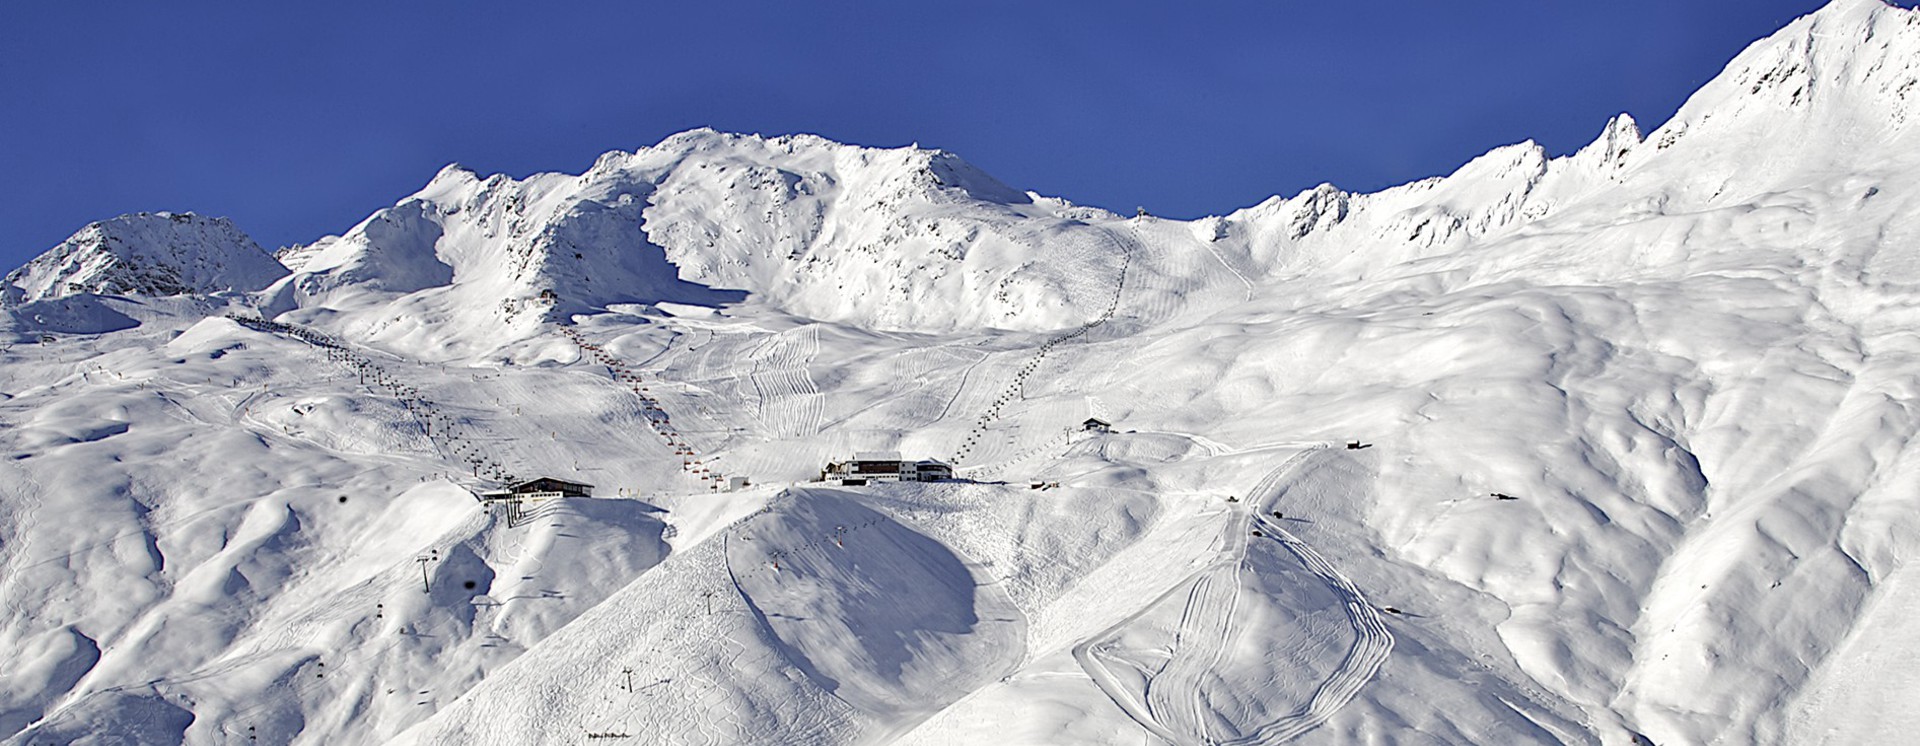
1636	462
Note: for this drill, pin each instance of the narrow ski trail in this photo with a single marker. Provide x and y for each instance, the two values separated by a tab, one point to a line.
1172	700
1372	645
1175	695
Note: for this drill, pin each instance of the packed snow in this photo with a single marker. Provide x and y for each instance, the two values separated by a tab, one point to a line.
1606	448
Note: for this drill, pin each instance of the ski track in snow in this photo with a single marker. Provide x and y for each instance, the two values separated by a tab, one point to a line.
20	521
297	632
1003	463
788	402
652	411
1178	279
1241	276
1372	645
455	437
915	384
1174	694
756	359
845	542
1174	706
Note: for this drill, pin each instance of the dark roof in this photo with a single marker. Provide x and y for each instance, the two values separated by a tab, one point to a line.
550	480
1095	421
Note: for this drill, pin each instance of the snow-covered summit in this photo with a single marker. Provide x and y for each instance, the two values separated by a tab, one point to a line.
1822	110
897	238
1834	90
151	254
916	239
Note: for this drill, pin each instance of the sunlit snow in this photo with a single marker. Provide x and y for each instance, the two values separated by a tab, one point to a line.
1605	448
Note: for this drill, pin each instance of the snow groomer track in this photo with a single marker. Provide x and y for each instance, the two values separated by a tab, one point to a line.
1175	699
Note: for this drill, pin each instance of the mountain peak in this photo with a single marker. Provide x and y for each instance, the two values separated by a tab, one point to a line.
1844	7
152	254
1854	60
930	168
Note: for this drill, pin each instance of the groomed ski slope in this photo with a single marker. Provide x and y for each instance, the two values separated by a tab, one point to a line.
1174	698
1005	573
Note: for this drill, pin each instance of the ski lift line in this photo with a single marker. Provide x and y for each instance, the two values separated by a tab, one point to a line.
1017	388
658	419
340	352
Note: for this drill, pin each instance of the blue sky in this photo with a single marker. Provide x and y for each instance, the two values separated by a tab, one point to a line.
297	120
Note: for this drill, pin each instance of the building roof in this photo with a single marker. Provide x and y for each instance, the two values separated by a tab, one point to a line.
530	482
1095	421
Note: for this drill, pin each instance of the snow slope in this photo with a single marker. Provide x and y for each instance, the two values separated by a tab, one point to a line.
1636	467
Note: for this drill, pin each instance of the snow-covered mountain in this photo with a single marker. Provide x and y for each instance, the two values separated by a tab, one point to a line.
1634	459
905	239
149	254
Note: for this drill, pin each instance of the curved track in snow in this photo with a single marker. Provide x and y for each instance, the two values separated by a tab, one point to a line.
22	522
1174	705
966	375
1174	695
1372	644
455	438
789	401
879	615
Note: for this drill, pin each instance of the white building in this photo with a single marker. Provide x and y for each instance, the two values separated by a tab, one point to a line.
885	466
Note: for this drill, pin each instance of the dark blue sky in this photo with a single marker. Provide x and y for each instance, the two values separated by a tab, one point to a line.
297	120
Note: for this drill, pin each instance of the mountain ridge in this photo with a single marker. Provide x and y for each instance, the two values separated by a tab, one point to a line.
790	220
